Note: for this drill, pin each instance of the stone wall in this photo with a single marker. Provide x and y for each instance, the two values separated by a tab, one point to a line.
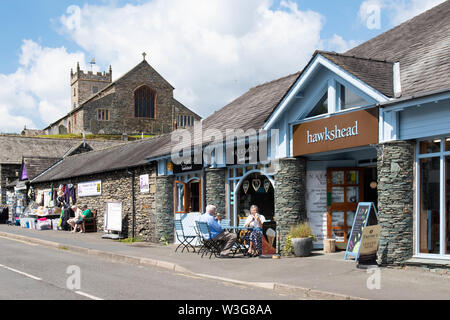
8	175
395	201
116	186
164	208
215	189
289	193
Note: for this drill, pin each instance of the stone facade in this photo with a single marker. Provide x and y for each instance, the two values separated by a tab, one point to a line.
8	173
215	189
395	201
84	85
289	193
117	186
118	99
164	208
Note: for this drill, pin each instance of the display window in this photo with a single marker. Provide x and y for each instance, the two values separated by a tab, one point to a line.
433	198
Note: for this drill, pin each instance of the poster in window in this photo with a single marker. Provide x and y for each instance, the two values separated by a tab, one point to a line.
145	187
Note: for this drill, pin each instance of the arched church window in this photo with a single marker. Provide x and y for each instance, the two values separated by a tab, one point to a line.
144	103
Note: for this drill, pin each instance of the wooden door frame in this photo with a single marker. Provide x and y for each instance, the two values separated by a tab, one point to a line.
343	206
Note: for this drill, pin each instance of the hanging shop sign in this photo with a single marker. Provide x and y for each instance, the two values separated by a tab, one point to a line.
90	189
144	183
366	215
349	130
192	163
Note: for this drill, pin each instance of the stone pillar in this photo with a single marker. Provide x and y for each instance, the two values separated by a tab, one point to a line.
289	193
215	189
395	166
164	208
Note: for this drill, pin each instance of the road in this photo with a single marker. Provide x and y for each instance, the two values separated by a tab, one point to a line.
35	272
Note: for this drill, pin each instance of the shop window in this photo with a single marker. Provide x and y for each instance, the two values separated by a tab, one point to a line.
447	144
144	103
430	146
103	114
429	205
350	99
320	108
447	205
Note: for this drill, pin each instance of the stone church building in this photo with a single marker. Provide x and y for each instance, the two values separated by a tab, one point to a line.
141	101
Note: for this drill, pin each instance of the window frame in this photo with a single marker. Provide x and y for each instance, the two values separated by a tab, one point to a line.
107	114
442	154
154	102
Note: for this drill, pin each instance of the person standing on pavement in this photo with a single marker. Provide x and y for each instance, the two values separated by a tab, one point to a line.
217	233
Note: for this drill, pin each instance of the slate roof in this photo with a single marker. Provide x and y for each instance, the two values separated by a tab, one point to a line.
13	148
421	45
131	154
376	73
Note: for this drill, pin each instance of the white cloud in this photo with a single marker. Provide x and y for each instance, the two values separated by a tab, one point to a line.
397	11
39	91
211	51
339	44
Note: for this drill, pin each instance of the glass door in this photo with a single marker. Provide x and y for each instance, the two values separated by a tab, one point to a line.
344	191
180	194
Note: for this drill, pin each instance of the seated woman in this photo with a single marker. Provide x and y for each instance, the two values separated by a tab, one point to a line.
255	220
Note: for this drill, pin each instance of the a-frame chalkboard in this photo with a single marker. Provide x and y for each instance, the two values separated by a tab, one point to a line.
366	214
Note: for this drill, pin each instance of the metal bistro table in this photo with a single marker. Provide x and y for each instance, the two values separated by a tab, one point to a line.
241	237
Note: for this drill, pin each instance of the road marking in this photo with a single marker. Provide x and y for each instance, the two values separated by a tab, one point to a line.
17	240
81	293
20	272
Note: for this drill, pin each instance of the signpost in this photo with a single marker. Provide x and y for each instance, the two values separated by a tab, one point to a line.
366	215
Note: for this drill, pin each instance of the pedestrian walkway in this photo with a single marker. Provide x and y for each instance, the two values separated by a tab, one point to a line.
321	273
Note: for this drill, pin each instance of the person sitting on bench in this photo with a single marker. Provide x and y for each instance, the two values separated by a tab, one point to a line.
86	213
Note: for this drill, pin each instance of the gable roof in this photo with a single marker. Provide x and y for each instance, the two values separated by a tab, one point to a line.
421	45
376	73
143	63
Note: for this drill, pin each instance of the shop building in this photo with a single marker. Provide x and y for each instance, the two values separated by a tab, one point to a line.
367	125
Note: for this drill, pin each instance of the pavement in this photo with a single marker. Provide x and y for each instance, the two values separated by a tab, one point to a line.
320	276
30	272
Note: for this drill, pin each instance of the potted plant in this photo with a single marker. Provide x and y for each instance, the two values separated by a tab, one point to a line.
300	240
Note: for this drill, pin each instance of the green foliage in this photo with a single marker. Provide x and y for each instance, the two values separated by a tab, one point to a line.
288	249
130	240
302	230
164	241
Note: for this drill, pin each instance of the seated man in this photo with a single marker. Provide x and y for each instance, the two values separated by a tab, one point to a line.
86	213
216	231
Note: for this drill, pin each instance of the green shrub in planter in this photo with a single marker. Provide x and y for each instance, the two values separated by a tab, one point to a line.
299	240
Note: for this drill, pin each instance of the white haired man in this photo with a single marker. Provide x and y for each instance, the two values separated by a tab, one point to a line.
217	233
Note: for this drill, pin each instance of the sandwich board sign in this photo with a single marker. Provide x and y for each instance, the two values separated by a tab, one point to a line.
366	214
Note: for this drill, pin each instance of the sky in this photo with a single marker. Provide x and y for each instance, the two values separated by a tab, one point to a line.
211	51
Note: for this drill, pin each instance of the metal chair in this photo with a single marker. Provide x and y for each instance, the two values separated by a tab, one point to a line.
225	223
185	240
209	245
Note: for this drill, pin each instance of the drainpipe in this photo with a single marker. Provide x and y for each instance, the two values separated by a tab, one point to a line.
133	212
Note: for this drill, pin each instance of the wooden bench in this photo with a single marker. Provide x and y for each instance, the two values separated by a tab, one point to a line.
90	224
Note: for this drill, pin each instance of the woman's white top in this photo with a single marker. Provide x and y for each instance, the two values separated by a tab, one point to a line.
253	223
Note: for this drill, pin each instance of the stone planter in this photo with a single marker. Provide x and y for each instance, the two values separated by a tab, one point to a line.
302	246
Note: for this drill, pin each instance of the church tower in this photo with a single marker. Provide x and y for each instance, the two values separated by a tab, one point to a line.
84	85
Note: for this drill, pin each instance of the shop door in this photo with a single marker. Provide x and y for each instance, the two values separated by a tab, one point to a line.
181	196
195	196
344	191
